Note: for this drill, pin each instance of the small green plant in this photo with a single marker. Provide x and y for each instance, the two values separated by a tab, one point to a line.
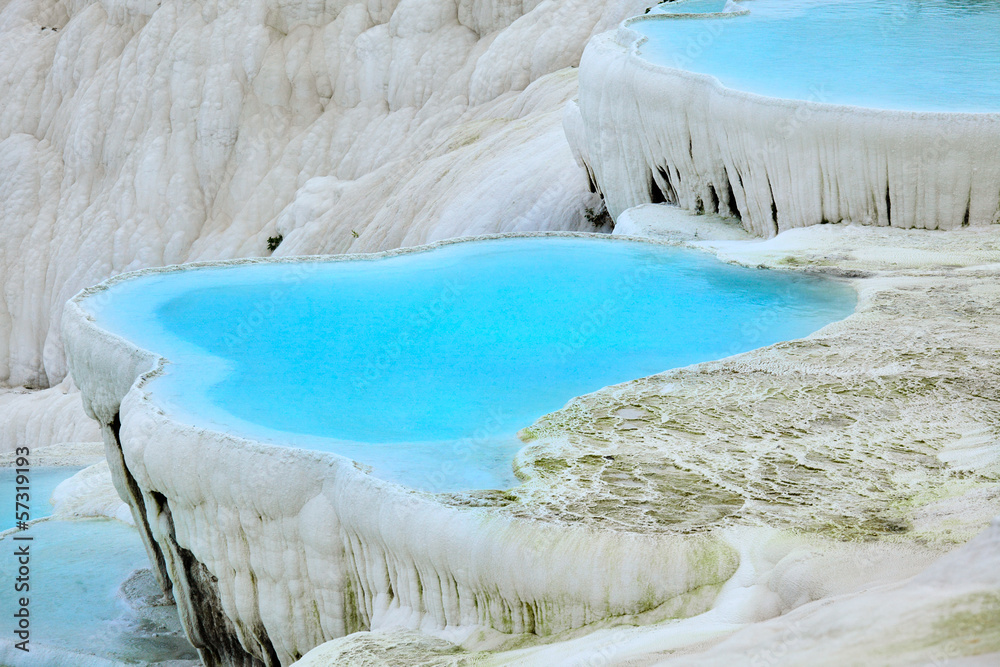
274	241
599	217
354	234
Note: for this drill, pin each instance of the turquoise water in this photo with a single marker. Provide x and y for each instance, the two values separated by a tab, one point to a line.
76	610
77	614
919	55
425	365
690	7
41	483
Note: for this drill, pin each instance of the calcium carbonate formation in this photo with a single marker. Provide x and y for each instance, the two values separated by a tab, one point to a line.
646	132
138	134
271	550
729	487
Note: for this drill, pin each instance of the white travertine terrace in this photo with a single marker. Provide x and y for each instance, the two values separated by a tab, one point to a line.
90	493
650	133
135	134
42	418
730	485
946	614
272	550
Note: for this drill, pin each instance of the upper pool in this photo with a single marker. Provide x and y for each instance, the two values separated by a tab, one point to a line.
916	55
408	362
693	7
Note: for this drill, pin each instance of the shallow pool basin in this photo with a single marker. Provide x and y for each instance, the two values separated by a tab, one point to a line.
403	361
791	113
79	611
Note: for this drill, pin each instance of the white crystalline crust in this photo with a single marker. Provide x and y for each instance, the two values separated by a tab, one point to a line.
36	419
63	453
281	549
90	493
142	133
647	132
946	614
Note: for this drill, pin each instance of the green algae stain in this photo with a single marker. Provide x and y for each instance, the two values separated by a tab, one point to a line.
971	627
550	465
527	435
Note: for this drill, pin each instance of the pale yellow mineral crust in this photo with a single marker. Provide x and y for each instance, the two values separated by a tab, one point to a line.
845	432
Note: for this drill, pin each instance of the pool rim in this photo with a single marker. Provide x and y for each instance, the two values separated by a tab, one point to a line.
158	363
632	41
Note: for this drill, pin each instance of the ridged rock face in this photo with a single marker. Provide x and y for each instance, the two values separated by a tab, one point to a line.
647	133
145	133
39	418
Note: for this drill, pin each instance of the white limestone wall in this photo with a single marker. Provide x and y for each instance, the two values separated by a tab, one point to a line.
271	551
139	133
38	419
646	132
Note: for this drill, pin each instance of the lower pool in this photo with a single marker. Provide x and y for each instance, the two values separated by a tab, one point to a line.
42	481
82	607
412	361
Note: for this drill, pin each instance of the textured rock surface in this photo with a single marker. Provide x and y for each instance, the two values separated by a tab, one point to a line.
946	614
139	134
62	454
90	493
649	133
41	418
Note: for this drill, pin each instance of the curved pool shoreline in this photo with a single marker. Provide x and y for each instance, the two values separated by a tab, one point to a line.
276	550
281	354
